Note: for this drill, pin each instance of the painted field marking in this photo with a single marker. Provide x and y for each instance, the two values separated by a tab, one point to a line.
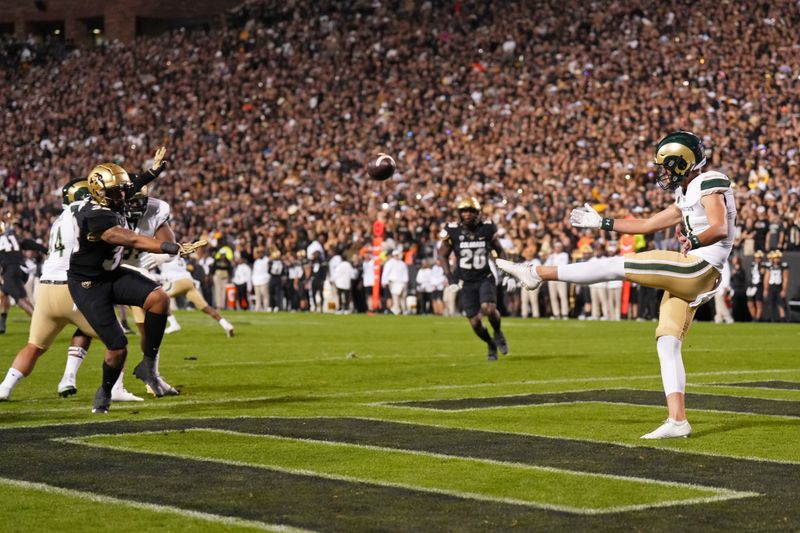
164	403
722	494
185	513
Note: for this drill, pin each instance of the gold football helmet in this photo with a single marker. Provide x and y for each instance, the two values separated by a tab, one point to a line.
678	154
469	203
758	254
109	185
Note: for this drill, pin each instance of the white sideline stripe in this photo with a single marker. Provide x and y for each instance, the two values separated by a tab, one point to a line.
186	513
165	403
722	494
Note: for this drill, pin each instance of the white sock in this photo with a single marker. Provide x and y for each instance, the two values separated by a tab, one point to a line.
673	375
12	378
172	321
118	385
75	355
606	269
225	324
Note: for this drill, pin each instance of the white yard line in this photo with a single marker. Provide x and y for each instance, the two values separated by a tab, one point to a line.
185	513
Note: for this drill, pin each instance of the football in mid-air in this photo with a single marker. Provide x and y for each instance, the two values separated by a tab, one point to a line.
382	167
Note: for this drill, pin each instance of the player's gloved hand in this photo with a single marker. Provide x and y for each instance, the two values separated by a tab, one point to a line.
158	161
150	261
585	217
191	247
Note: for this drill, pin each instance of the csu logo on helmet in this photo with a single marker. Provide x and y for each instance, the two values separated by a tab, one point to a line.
678	154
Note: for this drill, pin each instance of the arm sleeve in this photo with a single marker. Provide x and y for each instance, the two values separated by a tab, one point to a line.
30	244
140	180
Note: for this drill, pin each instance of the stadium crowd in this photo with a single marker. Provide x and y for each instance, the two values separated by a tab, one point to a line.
533	108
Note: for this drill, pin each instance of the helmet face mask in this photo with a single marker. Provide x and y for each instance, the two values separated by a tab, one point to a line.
110	186
137	205
678	154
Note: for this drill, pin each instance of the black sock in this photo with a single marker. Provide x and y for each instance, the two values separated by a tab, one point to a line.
483	333
154	325
4	316
110	376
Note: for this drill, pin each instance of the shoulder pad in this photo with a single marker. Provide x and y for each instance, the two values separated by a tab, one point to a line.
452	224
712	182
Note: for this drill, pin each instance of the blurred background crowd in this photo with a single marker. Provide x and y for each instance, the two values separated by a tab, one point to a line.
532	107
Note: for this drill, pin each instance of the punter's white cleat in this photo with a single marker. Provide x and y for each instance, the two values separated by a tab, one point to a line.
5	393
522	272
670	430
121	394
227	326
66	386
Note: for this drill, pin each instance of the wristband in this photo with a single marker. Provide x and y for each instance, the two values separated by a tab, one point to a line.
694	240
607	224
170	248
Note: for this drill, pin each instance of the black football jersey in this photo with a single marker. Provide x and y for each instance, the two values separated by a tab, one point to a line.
10	249
94	257
472	248
775	273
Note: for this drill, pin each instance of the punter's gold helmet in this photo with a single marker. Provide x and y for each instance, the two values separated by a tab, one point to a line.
110	185
758	255
775	254
469	203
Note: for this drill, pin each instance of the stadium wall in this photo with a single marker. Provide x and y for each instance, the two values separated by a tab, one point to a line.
118	19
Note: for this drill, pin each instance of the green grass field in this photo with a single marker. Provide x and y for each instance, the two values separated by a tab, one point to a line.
360	423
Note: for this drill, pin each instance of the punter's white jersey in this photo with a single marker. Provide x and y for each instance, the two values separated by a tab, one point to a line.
63	241
156	214
695	218
174	270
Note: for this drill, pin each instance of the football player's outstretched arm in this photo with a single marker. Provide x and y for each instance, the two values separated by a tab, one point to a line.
140	180
119	236
587	217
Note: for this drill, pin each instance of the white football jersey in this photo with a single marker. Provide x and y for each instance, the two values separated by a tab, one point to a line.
63	241
695	218
156	214
174	270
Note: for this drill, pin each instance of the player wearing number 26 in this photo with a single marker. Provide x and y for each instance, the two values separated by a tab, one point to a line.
472	241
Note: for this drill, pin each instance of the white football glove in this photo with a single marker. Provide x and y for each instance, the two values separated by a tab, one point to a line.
585	217
150	261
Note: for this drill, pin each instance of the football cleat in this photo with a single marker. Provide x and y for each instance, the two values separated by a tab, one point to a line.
670	430
121	394
102	401
5	392
2	324
492	355
227	326
522	272
500	341
168	389
146	372
67	386
172	328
